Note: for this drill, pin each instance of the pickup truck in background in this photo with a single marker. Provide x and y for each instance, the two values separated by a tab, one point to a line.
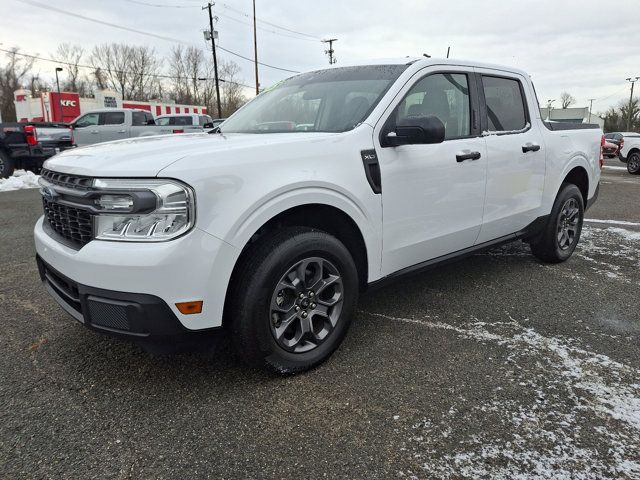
109	124
630	152
185	122
330	182
28	145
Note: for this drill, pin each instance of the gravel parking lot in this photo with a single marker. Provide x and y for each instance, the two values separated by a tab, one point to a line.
495	366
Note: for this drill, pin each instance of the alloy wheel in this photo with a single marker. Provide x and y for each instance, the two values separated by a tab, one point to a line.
568	224
633	164
306	304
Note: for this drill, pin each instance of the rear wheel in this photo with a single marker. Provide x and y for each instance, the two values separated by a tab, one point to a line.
633	163
562	232
293	298
6	165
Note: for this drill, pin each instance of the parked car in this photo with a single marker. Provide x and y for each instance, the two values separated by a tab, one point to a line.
272	231
109	124
610	150
28	145
630	152
184	122
616	138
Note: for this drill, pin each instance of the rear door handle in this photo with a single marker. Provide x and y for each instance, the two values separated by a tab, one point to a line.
467	155
530	147
95	131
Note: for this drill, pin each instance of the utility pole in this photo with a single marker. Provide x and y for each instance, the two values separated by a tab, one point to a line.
212	36
59	69
590	108
331	51
255	47
633	81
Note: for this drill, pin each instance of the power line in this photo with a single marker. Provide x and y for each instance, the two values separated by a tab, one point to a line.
34	3
94	67
296	36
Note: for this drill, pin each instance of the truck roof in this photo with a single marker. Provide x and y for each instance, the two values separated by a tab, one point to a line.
425	62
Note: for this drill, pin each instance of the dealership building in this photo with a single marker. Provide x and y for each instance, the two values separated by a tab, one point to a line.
49	107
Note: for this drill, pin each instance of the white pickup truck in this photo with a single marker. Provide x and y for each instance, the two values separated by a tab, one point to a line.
630	152
107	124
320	187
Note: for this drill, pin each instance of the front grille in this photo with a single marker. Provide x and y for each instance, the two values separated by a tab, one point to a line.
73	224
69	181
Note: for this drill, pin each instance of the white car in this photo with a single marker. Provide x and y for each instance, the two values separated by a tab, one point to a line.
184	122
630	152
318	188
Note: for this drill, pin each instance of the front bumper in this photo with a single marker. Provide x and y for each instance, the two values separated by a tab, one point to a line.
144	281
120	313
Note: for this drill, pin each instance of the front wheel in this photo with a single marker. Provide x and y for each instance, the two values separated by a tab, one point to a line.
292	300
633	163
561	234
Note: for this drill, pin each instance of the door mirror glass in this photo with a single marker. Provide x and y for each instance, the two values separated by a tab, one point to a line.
427	129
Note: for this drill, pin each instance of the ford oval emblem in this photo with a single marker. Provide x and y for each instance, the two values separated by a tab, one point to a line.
48	193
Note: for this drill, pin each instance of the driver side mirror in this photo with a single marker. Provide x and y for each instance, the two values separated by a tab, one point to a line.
415	130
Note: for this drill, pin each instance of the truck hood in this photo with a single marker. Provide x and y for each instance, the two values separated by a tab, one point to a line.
147	156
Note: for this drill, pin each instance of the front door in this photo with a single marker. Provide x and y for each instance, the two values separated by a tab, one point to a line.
432	195
85	129
516	154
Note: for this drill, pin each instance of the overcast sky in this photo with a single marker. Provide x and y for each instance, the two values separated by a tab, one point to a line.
585	47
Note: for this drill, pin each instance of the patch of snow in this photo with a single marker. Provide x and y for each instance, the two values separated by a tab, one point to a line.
607	167
613	222
20	179
627	234
577	414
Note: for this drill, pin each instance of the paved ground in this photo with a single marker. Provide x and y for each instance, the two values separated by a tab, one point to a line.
491	367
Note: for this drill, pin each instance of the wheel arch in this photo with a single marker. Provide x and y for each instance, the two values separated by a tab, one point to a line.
320	216
579	177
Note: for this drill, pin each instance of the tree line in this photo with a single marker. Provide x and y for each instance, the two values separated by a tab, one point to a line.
139	73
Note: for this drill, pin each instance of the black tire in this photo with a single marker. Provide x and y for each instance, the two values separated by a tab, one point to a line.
255	287
7	165
633	163
548	246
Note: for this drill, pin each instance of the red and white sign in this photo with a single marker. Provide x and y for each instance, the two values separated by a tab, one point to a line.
68	102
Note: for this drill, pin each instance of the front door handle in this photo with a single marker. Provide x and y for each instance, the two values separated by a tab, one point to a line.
95	131
467	155
530	147
122	131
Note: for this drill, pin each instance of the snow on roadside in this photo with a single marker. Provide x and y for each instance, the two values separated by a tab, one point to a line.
20	179
612	222
578	415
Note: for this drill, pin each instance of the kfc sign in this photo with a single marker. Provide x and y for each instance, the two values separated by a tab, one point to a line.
64	106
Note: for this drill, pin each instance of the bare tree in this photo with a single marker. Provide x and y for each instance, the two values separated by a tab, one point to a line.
186	65
71	57
232	97
567	99
145	66
13	75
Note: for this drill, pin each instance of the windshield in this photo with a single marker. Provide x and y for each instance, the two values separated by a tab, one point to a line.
334	100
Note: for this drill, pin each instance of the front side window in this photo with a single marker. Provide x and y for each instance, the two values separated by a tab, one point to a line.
443	95
87	120
334	100
162	121
113	118
505	105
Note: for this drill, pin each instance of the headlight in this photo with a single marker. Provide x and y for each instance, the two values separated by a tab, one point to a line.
142	210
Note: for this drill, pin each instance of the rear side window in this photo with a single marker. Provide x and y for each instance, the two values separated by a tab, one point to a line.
505	105
138	119
112	118
182	121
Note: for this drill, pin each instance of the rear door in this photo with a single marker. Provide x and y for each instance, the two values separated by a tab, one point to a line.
515	151
432	195
113	126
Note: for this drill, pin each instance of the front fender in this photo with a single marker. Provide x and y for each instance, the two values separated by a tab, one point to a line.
308	194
